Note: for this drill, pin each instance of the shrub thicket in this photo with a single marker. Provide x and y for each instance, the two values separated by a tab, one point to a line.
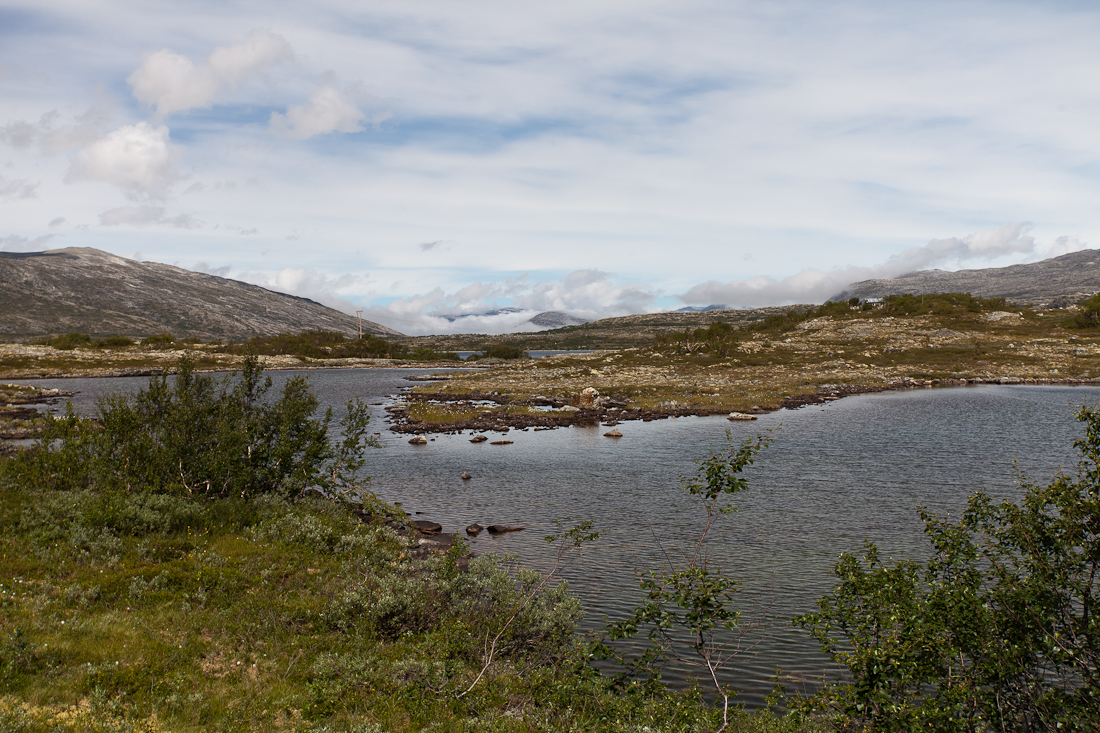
332	345
499	351
997	631
193	435
1088	315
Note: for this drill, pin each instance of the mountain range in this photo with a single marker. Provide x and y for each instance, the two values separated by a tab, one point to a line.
89	291
1055	282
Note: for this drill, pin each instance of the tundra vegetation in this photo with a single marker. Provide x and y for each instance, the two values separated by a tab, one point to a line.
794	353
190	560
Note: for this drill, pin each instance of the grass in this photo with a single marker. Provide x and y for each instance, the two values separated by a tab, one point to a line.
152	612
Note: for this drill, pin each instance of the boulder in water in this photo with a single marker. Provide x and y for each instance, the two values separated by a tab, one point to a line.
502	529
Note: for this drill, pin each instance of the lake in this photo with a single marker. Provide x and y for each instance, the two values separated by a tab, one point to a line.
837	475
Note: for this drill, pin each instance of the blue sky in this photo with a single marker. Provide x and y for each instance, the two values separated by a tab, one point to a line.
415	159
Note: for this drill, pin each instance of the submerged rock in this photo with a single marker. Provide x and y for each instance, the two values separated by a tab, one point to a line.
474	529
613	433
479	438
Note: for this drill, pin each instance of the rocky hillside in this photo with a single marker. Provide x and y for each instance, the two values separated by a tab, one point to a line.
86	290
1056	282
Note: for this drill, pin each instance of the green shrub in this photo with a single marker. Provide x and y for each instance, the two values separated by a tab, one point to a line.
159	340
114	342
197	437
1089	314
997	631
499	351
68	341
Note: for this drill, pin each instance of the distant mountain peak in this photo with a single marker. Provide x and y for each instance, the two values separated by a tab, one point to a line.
1075	275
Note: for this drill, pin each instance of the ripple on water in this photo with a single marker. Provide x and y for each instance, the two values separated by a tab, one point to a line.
854	470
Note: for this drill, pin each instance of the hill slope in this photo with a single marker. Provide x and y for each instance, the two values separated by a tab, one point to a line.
1073	276
90	291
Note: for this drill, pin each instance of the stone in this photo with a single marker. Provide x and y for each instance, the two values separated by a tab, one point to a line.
613	433
479	438
474	529
502	442
466	476
588	397
427	527
418	440
501	529
740	416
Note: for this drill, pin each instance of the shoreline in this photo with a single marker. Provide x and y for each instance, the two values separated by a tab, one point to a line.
502	422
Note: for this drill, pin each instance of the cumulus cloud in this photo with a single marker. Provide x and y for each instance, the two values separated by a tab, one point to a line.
15	190
477	308
136	158
816	286
142	216
171	82
329	110
16	243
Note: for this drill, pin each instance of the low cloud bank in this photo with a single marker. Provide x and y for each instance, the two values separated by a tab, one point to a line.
816	286
587	294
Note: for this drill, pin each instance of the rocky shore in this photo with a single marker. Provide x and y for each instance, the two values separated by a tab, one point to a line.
610	411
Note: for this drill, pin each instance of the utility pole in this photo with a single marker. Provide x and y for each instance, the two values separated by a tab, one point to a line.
359	318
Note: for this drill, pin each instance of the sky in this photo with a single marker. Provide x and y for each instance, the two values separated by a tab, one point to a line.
423	159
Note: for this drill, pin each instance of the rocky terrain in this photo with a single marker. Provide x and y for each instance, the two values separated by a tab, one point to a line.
85	290
1056	282
814	362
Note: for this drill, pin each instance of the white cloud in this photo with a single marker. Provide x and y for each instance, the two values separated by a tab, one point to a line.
140	216
57	222
19	134
209	269
329	110
136	158
15	190
171	82
16	243
815	286
309	283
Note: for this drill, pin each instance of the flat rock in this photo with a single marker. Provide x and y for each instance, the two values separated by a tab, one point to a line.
740	416
423	525
613	433
502	529
502	442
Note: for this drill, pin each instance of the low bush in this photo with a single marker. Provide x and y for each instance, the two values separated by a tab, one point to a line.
499	351
191	435
997	631
332	345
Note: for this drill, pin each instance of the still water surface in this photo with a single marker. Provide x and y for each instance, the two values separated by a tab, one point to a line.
836	476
